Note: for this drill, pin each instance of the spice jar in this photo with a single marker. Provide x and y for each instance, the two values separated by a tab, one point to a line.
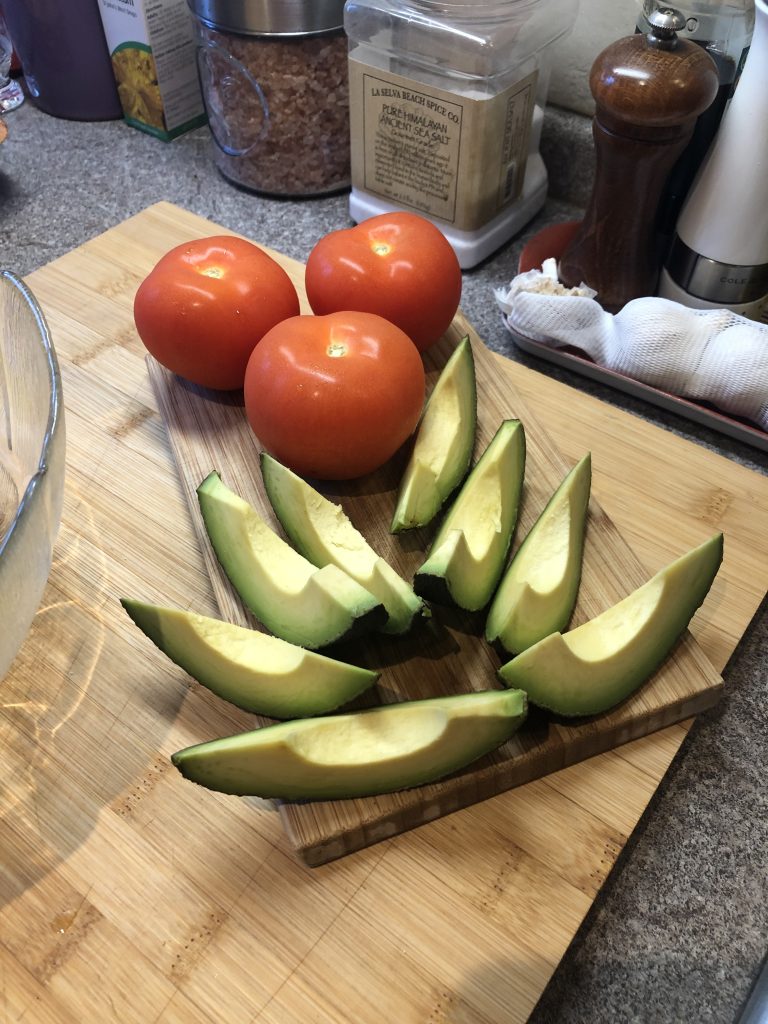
274	80
446	110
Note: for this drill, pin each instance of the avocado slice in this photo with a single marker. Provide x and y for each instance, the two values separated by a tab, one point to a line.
323	534
442	449
255	671
591	668
362	753
538	591
294	599
467	555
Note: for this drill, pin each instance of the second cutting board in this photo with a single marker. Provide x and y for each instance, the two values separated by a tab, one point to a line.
447	655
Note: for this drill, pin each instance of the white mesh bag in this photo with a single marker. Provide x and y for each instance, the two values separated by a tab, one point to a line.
709	355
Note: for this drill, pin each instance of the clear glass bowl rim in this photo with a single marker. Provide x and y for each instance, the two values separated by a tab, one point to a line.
54	406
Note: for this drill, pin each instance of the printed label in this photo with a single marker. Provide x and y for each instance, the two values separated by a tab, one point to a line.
154	59
452	157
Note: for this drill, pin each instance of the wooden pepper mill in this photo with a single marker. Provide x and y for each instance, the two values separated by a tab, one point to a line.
648	90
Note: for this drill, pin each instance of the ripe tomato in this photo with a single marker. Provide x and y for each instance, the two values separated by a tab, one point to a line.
398	265
205	306
333	397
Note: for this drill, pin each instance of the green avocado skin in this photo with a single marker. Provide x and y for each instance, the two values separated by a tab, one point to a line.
520	616
254	671
424	489
365	753
558	680
348	612
324	535
451	575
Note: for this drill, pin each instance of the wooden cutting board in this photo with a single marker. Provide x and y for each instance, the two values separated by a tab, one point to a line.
115	869
447	654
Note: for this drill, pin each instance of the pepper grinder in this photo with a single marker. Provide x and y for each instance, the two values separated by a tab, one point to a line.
648	90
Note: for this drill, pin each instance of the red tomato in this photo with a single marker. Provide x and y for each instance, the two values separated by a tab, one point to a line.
333	397
207	304
398	265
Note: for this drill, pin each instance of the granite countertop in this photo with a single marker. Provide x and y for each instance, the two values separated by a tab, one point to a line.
680	928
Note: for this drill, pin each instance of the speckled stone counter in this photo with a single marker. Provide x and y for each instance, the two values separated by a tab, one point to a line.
678	932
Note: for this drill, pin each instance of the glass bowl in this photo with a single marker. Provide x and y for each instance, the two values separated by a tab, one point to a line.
32	451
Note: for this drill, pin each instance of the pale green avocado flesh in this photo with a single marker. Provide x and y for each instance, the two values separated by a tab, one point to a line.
591	668
322	532
468	553
294	599
538	591
442	449
257	672
359	754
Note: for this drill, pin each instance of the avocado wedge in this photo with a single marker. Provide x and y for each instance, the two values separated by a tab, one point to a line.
323	534
538	591
294	599
255	671
589	669
442	450
363	753
468	553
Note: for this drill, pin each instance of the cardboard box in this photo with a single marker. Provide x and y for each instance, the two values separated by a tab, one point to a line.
153	51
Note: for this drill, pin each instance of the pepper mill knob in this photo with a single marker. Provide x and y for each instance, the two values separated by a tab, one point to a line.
665	23
648	91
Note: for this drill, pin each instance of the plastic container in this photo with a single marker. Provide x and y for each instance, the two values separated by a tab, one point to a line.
446	110
274	82
64	56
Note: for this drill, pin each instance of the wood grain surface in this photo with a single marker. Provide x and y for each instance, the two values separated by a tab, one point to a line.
128	894
447	654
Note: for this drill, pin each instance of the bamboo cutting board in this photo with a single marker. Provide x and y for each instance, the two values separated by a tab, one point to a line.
129	895
448	654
